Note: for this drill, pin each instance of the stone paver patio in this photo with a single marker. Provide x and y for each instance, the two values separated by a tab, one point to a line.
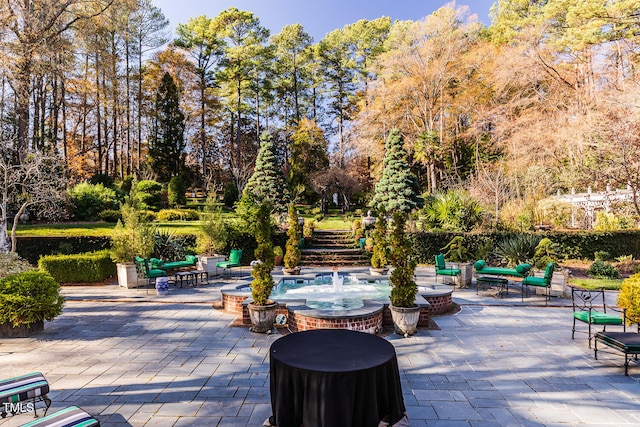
136	359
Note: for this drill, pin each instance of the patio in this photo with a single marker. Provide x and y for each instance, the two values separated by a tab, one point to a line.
137	359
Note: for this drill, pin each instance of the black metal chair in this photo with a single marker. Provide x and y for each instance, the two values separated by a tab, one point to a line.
590	307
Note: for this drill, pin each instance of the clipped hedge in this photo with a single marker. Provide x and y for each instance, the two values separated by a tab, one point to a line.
177	215
79	268
32	248
572	244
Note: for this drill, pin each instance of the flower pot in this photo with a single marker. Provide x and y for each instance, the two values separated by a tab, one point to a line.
262	317
378	271
278	260
291	271
7	330
466	272
127	276
405	319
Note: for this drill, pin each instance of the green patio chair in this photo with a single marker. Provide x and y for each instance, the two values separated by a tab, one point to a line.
590	307
540	282
146	273
234	261
443	270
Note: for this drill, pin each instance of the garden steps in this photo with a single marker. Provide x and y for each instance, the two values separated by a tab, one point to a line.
333	248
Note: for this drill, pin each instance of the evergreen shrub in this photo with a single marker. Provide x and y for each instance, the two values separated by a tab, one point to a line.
29	297
177	215
149	195
603	270
176	192
629	298
110	215
79	268
88	200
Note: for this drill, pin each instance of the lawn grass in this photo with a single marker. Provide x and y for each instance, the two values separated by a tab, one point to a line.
608	284
67	229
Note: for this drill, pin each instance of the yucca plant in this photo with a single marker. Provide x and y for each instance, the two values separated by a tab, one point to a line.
517	249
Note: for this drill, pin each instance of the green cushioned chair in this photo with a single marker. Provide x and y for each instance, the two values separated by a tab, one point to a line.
443	270
234	261
590	307
540	282
146	271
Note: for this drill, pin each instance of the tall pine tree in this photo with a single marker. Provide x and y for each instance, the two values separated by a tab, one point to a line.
398	190
267	184
167	145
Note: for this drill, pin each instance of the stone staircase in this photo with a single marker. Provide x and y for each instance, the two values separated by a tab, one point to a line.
333	248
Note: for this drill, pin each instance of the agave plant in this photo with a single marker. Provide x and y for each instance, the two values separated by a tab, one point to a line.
517	249
168	246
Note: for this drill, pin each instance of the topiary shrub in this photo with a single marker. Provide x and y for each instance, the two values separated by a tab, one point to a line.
292	253
88	200
176	192
149	195
29	297
629	298
603	270
79	268
403	286
177	215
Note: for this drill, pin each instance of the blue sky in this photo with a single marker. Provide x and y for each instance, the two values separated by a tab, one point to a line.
317	17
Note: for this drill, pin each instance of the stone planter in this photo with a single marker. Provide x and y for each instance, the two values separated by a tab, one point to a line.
127	276
464	279
7	330
378	271
405	320
558	283
208	264
295	271
262	317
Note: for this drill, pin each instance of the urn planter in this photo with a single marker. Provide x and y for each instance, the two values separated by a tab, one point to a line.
405	319
378	271
291	271
262	317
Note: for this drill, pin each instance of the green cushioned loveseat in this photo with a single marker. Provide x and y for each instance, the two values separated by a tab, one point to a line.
521	270
188	261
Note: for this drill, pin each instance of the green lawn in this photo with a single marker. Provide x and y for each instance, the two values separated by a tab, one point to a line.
97	229
609	284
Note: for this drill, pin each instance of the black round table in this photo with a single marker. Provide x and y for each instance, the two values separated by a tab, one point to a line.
334	378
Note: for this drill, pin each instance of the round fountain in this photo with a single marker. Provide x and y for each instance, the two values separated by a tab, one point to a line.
337	301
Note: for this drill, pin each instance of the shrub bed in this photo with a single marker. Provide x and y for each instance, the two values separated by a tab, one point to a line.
79	268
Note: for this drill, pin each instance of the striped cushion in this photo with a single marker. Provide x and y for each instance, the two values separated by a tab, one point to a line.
21	388
69	417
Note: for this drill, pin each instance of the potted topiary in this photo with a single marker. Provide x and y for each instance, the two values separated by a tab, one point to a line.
293	254
457	252
262	310
404	312
131	237
212	239
380	254
27	299
278	256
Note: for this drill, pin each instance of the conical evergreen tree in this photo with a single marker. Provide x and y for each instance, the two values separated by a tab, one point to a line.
167	145
267	182
397	191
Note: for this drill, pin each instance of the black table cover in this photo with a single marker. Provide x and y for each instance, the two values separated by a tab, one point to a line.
334	378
